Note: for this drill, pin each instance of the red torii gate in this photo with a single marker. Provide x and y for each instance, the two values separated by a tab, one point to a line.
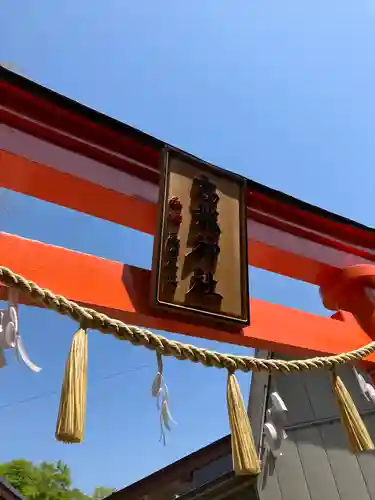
57	150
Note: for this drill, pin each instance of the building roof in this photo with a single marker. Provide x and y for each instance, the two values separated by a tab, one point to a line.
227	486
8	492
178	472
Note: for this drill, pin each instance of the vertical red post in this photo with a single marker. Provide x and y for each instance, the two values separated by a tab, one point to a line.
353	290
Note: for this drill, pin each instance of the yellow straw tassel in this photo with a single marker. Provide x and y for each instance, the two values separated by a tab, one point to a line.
245	459
72	412
358	436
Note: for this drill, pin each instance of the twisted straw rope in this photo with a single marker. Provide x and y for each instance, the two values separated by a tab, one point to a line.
89	318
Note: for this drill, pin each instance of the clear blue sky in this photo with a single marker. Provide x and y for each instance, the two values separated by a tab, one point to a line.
281	91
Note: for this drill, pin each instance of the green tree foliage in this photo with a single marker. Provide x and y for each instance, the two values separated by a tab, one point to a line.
21	474
46	481
101	492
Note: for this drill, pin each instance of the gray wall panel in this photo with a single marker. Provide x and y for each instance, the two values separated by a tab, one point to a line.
367	460
295	397
268	482
257	401
315	464
292	487
318	387
345	467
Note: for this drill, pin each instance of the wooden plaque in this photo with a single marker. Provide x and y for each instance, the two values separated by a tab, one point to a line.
200	265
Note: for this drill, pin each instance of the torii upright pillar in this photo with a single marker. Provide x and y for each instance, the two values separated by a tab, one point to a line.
353	290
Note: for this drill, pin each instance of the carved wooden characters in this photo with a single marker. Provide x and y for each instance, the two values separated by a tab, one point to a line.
170	265
204	239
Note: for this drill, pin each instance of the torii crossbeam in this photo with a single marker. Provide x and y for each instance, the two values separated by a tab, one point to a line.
57	150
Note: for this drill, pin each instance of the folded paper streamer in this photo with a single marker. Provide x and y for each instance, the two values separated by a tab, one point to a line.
160	392
367	389
10	337
274	433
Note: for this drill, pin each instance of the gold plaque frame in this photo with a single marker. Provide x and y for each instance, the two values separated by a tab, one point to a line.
172	291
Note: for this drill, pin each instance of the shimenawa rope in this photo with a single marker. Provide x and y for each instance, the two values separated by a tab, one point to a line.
71	417
89	318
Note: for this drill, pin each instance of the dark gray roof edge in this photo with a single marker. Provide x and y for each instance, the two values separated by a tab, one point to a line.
10	488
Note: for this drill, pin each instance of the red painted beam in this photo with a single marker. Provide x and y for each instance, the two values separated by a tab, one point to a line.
122	291
132	203
46	114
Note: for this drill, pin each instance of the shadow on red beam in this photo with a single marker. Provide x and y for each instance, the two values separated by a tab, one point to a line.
122	291
35	179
